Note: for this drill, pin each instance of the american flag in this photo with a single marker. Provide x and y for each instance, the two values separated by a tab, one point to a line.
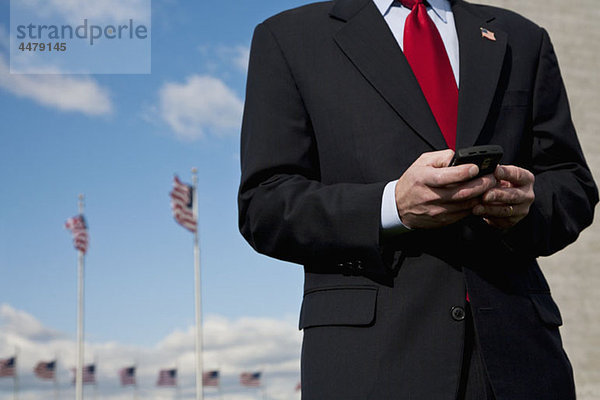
8	367
89	374
488	34
127	376
45	370
167	377
78	228
182	200
210	378
250	379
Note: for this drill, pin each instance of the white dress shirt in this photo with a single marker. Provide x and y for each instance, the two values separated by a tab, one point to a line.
395	15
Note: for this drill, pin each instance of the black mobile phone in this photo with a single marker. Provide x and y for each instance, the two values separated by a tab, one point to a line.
485	157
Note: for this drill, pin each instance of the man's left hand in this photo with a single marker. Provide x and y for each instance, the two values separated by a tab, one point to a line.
508	202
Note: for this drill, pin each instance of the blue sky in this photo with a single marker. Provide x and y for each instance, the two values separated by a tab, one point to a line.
119	139
139	271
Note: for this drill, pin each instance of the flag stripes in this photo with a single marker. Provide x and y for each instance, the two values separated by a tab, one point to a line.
127	376
251	379
8	367
45	370
210	378
167	377
78	228
89	374
182	201
488	34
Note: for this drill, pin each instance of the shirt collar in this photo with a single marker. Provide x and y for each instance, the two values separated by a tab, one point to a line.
440	7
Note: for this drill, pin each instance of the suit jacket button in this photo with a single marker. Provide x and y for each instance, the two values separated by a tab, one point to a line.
458	313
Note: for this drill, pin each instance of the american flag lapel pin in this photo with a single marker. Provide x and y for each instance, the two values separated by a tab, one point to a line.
489	35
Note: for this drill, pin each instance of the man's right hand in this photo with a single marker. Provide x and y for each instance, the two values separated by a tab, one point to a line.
430	194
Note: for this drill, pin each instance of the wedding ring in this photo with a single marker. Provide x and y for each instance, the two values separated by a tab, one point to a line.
511	211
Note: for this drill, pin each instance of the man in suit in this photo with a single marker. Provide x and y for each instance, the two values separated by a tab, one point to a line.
442	298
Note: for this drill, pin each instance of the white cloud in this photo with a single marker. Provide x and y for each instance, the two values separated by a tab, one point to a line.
236	55
66	93
232	346
221	57
27	326
201	105
242	57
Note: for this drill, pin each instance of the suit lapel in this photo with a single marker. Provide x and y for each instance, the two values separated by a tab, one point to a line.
368	42
481	63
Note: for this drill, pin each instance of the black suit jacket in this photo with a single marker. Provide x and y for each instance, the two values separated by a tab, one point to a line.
333	112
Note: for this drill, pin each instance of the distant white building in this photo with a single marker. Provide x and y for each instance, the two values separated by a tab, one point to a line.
574	274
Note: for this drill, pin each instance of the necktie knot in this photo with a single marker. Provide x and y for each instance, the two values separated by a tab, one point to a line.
411	3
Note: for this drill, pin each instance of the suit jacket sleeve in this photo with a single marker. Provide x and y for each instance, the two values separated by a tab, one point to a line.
285	211
564	187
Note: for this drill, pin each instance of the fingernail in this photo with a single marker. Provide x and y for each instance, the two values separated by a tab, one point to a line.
474	170
500	173
478	210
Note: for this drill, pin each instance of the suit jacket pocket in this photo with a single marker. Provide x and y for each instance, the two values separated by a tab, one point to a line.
546	308
339	306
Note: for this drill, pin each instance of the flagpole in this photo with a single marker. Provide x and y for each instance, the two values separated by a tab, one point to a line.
56	376
263	384
55	385
95	377
16	375
80	270
135	384
177	379
220	387
198	295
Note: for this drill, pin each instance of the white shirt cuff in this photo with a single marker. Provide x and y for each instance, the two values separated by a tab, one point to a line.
390	220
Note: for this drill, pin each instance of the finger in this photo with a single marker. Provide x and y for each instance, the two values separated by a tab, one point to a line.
434	220
499	211
436	202
468	190
515	175
441	177
437	159
505	195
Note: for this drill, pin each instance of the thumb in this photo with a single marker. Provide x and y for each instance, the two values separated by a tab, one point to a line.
436	159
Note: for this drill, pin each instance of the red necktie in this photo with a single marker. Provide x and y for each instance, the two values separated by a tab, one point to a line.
426	54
